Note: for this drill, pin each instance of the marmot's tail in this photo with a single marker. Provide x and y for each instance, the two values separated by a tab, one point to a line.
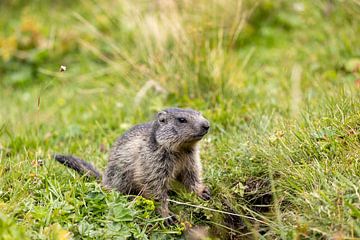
78	165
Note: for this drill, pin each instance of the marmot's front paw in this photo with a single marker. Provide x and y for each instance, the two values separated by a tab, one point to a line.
205	194
171	220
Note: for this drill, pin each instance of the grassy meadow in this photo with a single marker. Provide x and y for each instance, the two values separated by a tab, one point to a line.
278	80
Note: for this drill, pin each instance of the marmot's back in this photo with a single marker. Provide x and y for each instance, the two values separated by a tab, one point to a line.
124	157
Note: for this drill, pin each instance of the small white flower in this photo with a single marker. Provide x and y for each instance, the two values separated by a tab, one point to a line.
62	68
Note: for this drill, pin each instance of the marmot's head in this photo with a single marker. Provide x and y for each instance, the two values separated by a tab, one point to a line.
178	127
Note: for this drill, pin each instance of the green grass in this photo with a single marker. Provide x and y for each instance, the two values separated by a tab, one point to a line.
279	82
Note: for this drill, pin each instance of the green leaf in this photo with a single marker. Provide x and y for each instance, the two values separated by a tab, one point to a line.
122	214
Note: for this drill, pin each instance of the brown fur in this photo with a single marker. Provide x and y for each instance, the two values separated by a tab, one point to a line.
147	157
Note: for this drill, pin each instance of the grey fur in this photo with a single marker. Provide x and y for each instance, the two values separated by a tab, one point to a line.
148	156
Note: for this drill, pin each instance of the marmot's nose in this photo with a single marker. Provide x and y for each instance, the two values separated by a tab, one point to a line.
205	126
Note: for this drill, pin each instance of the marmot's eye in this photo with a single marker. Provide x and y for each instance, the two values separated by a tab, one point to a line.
182	120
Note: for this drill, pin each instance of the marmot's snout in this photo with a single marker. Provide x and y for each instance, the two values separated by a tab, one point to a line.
205	126
202	129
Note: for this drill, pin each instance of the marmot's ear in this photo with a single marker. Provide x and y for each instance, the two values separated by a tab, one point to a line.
162	117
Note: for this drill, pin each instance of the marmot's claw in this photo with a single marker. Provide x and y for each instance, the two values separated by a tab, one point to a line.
171	220
206	195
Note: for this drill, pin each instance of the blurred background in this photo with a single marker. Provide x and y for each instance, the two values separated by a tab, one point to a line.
176	52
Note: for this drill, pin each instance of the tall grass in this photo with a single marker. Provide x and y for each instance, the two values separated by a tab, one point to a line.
184	46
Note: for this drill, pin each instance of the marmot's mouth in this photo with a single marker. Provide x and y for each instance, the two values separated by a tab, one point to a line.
199	136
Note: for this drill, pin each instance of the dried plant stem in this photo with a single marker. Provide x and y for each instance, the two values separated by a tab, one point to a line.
216	210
